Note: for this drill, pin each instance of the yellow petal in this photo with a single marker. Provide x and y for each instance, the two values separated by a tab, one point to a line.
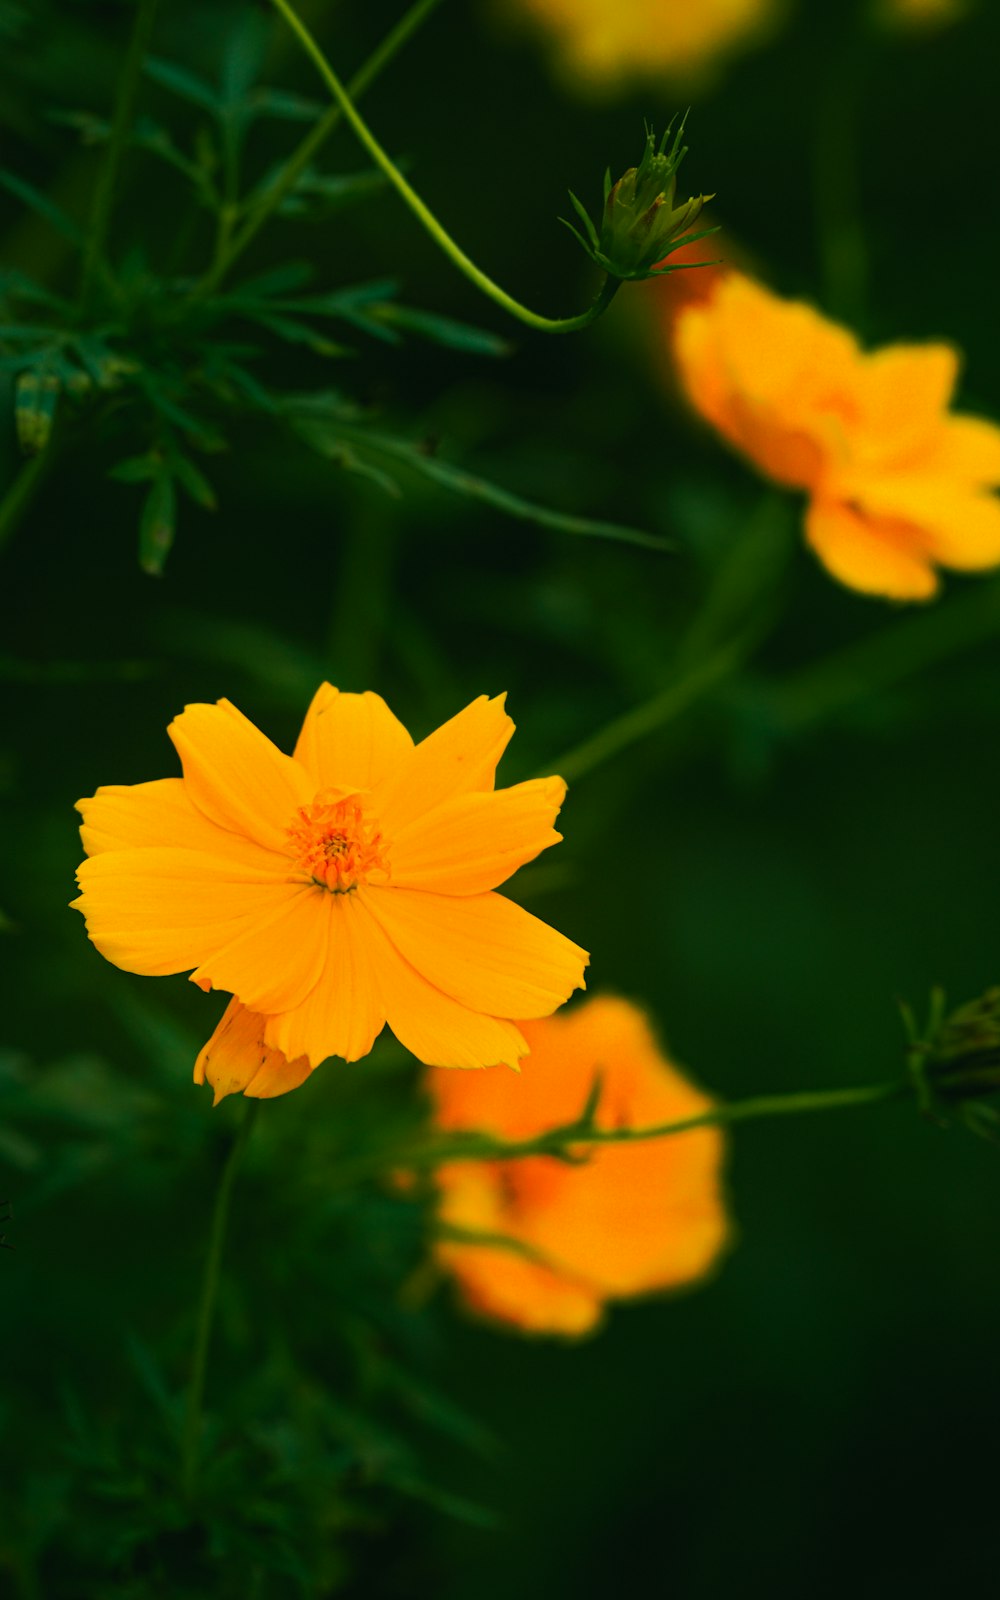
273	962
958	526
350	741
158	911
433	1027
968	450
904	391
343	1015
150	815
237	1059
459	756
474	842
484	951
236	776
870	554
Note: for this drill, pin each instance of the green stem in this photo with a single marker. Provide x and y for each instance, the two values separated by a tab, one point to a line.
843	246
22	492
104	194
423	213
569	1139
652	714
209	1292
886	658
317	136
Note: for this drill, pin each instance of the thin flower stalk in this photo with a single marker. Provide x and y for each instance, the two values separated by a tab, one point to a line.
208	1299
423	213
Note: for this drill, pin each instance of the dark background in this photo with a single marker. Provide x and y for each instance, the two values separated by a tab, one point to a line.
822	1416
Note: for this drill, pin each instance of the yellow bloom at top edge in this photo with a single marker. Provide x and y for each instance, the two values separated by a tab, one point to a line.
629	1219
335	890
897	484
603	41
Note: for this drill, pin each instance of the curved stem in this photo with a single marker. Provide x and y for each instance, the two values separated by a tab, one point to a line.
652	714
317	136
423	213
566	1141
93	260
209	1292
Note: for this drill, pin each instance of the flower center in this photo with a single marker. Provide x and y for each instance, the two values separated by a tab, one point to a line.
338	843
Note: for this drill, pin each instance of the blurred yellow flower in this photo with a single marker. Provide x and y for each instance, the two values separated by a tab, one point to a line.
898	484
335	890
605	41
631	1219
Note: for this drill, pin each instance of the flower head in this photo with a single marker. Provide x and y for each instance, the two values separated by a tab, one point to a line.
898	485
640	223
332	891
627	1220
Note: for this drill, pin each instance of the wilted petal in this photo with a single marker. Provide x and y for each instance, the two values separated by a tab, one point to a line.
237	1059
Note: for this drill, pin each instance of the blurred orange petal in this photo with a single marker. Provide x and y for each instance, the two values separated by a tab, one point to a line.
629	1220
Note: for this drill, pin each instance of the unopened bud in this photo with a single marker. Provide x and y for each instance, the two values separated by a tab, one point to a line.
641	223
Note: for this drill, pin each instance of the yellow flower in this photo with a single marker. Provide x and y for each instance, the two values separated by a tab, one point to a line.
335	890
898	485
605	41
631	1219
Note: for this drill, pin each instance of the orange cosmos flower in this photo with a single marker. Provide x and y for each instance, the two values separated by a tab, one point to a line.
606	41
631	1219
898	484
335	890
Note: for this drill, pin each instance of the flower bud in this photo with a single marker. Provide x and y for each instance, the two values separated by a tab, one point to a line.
964	1056
35	396
641	223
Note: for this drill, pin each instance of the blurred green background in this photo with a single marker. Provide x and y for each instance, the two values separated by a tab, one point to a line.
767	875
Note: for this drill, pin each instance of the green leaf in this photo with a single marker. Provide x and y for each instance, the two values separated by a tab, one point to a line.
281	104
475	488
192	480
319	194
298	333
443	330
181	82
40	203
157	525
291	275
137	469
585	218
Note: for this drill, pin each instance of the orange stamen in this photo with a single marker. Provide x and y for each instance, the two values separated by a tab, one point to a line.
338	844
